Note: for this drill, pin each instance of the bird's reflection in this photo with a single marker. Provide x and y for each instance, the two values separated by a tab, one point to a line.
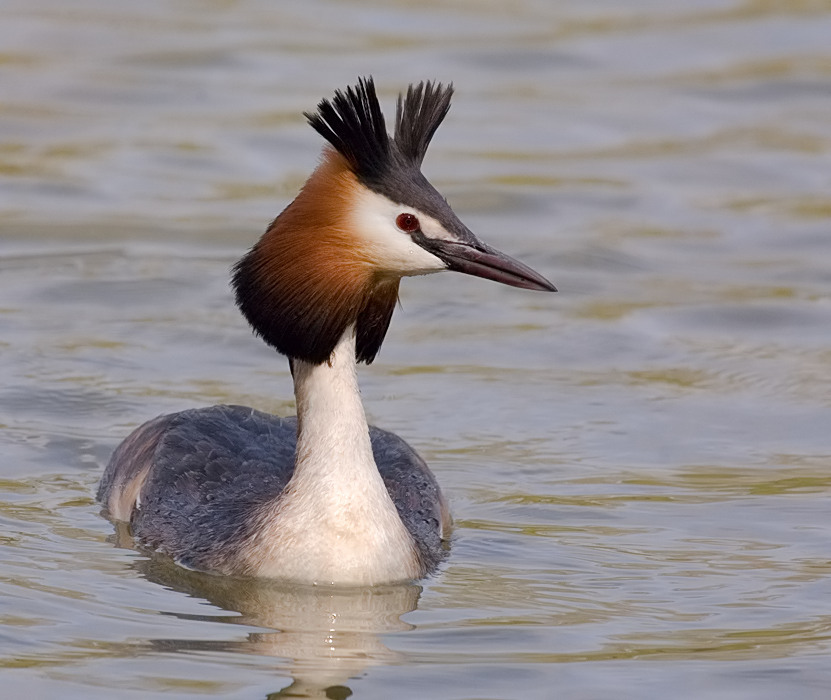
327	634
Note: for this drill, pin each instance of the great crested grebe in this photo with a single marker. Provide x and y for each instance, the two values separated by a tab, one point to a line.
323	497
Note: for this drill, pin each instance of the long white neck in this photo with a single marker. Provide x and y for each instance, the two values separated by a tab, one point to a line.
335	522
332	433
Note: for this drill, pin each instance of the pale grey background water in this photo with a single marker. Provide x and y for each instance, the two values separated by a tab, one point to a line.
640	466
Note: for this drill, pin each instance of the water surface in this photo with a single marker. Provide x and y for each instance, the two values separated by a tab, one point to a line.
639	466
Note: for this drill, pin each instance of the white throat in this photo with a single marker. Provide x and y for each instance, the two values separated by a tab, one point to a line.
335	522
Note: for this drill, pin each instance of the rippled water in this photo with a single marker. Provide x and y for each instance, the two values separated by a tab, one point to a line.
639	467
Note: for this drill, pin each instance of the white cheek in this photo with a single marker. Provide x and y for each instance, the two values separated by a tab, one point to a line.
384	243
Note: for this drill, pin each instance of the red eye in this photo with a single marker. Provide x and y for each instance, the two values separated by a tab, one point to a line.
407	222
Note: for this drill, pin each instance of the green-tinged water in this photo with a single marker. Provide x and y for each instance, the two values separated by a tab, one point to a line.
639	466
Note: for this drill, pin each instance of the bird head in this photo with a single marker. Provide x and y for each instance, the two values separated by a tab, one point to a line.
364	219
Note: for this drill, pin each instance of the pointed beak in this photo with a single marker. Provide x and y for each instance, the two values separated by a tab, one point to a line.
480	260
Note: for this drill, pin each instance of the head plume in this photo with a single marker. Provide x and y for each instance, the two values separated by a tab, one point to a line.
353	123
418	116
298	286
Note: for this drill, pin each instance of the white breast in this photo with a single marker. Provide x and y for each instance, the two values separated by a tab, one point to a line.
335	522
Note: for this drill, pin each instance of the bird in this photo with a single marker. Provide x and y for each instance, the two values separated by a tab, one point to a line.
320	498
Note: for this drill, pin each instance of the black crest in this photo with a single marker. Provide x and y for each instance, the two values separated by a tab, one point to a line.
353	123
418	116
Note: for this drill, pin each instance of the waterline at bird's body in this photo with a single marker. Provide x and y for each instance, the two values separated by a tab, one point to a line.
323	498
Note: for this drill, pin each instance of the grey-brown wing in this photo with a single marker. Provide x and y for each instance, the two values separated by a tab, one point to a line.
211	470
415	492
129	466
